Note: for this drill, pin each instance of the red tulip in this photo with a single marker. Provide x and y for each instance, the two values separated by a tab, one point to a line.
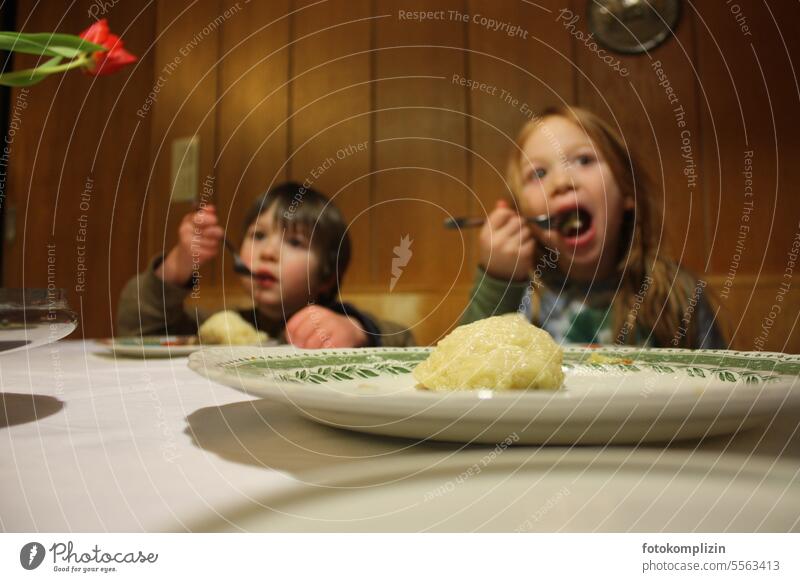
111	60
97	32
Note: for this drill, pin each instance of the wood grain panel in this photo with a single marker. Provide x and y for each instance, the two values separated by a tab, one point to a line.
643	111
421	155
78	168
745	114
526	67
755	216
421	158
331	123
251	143
760	314
185	68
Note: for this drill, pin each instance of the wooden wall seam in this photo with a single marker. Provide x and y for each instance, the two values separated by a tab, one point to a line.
468	135
706	202
373	153
215	145
290	88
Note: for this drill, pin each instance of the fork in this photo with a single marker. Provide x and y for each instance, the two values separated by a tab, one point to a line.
542	221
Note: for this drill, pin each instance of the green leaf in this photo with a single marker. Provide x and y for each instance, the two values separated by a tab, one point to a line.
67	46
28	77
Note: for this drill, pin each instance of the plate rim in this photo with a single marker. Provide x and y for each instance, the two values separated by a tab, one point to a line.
209	362
312	398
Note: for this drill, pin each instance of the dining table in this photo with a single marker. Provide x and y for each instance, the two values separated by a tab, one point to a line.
94	442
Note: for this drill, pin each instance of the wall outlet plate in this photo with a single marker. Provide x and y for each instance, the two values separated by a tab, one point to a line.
185	166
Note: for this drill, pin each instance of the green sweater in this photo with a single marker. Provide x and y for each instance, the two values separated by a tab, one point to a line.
576	312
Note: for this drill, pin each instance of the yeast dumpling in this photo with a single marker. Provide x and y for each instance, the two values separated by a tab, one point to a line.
505	352
230	328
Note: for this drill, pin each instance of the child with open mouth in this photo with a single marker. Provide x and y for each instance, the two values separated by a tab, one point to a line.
598	272
292	259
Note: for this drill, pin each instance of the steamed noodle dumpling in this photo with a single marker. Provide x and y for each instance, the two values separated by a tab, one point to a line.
228	327
502	353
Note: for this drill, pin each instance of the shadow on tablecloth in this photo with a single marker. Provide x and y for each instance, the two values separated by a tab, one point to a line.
21	408
271	435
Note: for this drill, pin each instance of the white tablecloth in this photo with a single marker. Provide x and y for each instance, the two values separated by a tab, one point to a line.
94	443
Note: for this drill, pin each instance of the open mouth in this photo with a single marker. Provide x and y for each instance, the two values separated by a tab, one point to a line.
574	223
264	277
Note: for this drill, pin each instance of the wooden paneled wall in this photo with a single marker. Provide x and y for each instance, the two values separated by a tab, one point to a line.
274	90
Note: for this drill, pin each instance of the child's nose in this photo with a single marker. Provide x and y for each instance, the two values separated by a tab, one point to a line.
270	248
563	179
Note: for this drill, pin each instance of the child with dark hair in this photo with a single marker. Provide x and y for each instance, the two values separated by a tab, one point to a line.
297	248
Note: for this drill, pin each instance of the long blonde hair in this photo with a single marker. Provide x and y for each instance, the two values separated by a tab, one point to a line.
655	293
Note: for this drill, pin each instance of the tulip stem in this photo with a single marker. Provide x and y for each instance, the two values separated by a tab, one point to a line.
81	61
73	64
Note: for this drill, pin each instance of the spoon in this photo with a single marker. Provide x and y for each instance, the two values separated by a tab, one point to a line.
542	221
238	264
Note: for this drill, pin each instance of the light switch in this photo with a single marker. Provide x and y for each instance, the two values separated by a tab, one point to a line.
185	169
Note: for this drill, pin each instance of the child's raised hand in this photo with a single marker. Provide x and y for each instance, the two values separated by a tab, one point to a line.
199	237
318	327
506	245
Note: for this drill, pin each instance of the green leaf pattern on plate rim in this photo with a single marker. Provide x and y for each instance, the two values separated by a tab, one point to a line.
324	366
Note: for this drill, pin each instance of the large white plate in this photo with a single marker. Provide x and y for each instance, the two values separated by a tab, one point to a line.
644	395
532	490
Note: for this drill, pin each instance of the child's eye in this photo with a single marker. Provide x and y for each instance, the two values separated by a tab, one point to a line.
258	235
296	242
537	174
585	159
